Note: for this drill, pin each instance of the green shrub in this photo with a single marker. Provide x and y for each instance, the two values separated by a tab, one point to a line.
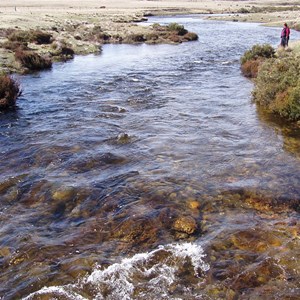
33	61
278	87
9	91
179	29
292	108
258	51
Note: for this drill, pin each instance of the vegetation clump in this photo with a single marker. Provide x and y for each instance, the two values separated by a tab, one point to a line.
173	32
277	87
177	28
34	36
253	58
277	80
32	60
258	51
14	45
26	49
135	38
41	37
9	91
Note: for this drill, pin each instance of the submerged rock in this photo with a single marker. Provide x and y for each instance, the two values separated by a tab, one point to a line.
123	138
63	194
185	224
137	232
4	251
194	204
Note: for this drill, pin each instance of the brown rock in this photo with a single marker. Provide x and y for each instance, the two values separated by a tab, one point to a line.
193	204
185	224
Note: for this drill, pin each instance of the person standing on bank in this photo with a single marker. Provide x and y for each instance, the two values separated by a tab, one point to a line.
285	35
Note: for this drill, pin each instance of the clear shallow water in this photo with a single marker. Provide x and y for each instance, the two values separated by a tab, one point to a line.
105	153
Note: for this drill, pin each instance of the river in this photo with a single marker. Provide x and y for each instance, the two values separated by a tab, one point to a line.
146	172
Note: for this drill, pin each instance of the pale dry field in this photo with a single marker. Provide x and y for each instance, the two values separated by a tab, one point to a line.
46	13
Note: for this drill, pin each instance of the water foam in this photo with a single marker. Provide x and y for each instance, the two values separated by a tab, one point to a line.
150	273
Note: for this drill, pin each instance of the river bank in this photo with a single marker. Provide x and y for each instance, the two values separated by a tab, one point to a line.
84	27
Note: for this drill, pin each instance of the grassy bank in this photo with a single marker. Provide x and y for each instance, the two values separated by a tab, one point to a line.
35	49
277	79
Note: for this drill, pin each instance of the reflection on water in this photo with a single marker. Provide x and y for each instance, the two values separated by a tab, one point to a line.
119	170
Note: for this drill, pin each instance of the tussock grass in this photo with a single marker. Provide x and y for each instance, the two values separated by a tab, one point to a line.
32	60
14	45
32	36
9	91
250	68
135	38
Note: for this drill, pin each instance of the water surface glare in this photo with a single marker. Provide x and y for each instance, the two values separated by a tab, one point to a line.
105	154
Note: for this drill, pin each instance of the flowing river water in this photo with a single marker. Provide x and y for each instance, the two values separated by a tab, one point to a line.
146	172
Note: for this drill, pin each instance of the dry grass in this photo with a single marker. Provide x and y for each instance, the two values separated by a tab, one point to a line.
32	60
9	91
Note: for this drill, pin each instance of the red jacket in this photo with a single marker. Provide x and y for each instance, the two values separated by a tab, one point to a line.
285	32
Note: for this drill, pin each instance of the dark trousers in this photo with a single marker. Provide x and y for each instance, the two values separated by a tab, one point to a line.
283	41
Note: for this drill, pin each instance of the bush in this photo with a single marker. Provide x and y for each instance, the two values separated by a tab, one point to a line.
292	108
179	29
258	51
9	92
278	87
33	61
250	68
